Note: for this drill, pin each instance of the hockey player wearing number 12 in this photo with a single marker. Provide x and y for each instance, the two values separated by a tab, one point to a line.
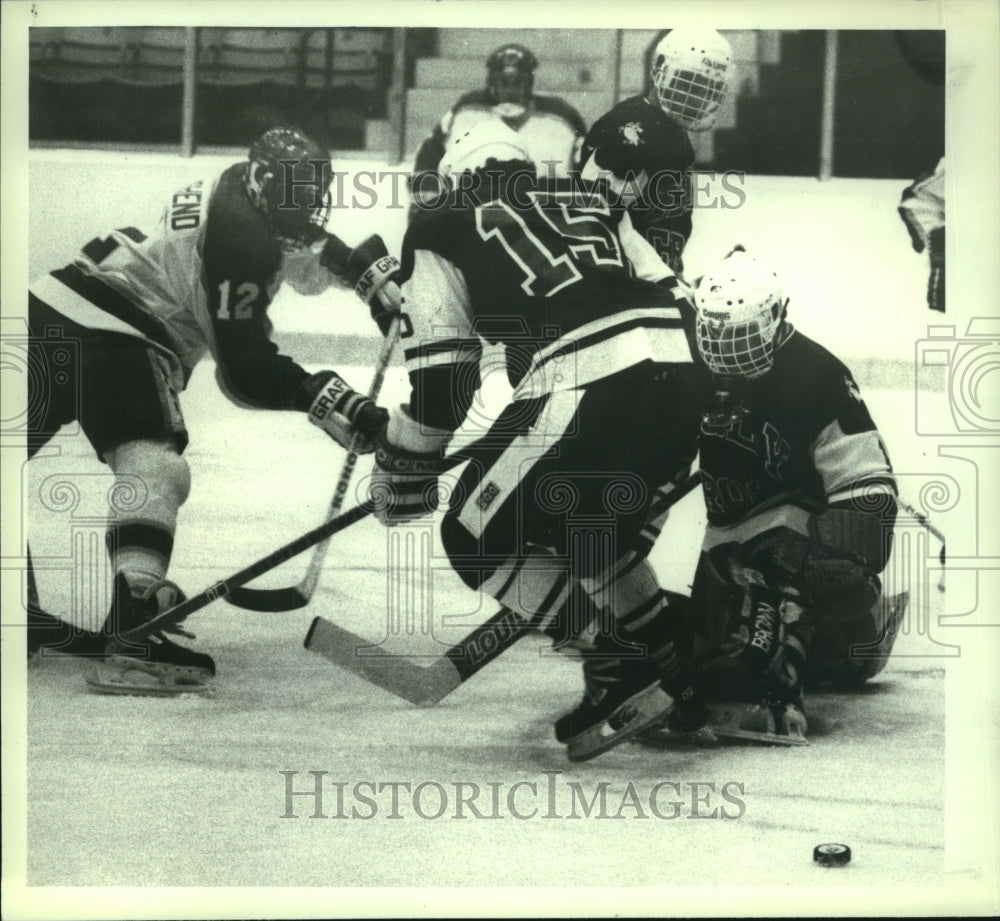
605	400
144	306
801	502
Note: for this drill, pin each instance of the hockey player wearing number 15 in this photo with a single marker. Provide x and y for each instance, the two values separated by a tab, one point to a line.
605	407
144	306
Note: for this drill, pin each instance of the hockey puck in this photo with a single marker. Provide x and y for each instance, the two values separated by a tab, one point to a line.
832	855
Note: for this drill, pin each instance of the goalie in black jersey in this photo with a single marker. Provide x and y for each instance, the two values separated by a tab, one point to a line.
605	406
145	305
801	503
643	141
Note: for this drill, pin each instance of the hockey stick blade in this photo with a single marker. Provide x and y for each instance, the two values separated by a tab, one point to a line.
395	674
222	589
270	600
293	597
400	675
460	662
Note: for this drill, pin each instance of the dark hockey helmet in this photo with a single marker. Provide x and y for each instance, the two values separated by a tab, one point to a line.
287	179
510	75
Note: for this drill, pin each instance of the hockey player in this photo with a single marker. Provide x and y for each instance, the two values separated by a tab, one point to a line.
800	499
643	141
604	401
551	129
144	306
922	210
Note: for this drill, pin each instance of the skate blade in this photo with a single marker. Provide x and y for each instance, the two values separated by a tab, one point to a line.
732	723
640	712
709	736
146	680
662	737
724	734
750	723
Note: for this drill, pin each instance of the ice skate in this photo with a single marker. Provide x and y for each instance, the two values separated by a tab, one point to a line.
154	666
621	698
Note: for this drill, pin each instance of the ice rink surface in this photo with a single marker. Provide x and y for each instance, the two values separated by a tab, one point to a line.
141	792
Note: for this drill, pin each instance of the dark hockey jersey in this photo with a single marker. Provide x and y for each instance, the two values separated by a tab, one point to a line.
552	130
548	269
806	439
652	157
198	281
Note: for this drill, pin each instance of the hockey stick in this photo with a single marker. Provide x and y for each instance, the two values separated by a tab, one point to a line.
298	596
925	522
428	684
223	588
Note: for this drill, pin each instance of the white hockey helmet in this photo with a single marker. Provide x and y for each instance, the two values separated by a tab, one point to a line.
741	307
489	139
692	73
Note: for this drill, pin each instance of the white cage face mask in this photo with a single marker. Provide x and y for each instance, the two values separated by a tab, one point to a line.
738	349
691	97
692	71
741	308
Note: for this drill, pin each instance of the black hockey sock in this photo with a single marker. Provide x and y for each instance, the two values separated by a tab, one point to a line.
658	624
141	550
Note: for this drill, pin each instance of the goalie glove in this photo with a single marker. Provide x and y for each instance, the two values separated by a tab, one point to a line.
408	459
342	412
833	580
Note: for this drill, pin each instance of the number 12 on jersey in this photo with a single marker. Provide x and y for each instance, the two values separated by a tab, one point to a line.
246	294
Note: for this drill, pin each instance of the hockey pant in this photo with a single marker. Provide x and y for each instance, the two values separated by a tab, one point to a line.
547	512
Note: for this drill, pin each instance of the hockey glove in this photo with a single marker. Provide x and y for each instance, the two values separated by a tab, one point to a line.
335	255
371	271
408	459
375	277
342	412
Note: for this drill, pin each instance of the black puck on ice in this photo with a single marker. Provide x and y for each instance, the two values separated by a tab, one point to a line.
832	855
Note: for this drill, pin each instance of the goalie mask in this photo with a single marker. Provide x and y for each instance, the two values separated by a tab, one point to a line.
287	179
510	78
487	140
741	310
692	71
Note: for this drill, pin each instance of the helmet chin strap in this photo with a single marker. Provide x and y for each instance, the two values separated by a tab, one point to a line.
729	403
